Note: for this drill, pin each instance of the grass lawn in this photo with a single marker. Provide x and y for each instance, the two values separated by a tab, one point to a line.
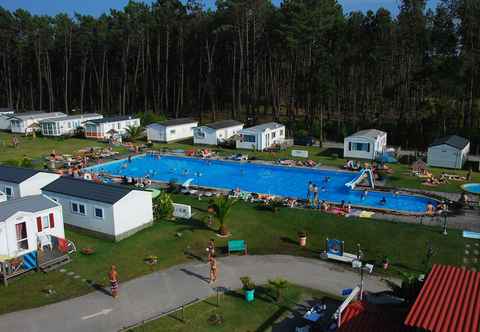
237	314
265	232
36	148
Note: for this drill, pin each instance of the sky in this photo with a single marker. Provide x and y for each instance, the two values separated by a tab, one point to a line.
97	7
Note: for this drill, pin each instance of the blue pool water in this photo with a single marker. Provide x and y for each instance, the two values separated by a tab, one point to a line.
473	188
265	179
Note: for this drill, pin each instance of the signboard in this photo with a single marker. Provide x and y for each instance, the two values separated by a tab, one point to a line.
182	211
300	153
347	291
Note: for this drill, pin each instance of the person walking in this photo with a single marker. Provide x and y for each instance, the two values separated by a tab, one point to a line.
213	270
211	249
113	277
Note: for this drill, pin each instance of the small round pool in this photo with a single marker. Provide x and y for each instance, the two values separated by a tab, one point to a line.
473	188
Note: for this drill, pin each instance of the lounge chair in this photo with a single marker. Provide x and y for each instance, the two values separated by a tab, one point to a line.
45	241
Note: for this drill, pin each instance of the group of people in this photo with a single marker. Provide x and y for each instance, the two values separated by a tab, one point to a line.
313	191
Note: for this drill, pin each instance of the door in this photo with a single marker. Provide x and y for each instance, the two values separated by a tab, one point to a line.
22	239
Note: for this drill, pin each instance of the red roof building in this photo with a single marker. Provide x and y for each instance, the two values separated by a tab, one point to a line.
448	302
364	317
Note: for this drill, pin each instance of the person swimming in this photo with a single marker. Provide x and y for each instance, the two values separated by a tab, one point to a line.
383	201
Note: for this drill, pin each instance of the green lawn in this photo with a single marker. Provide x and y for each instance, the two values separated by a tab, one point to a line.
175	242
37	148
237	314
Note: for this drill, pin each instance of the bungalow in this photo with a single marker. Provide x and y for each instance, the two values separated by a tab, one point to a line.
5	114
365	144
24	220
448	152
16	182
66	125
171	130
106	210
24	123
216	132
31	236
261	137
108	127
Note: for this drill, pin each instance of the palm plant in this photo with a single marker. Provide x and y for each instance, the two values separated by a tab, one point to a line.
220	207
134	132
163	206
279	284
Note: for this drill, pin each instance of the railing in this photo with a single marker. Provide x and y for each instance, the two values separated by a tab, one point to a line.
220	291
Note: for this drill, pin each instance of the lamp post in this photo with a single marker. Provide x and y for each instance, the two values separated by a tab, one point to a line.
444	214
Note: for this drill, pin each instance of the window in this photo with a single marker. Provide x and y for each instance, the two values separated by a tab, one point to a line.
359	146
281	132
22	239
9	192
274	134
172	131
78	208
248	138
98	212
45	222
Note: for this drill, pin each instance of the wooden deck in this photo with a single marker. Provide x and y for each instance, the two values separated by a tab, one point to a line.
47	260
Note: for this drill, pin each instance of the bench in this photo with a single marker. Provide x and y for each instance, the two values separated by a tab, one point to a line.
346	257
237	245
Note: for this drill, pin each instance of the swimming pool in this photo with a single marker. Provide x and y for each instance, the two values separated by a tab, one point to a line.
473	188
259	178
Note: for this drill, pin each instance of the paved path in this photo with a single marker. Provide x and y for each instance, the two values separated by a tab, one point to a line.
159	292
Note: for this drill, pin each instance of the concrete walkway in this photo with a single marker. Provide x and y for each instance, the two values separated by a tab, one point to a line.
162	291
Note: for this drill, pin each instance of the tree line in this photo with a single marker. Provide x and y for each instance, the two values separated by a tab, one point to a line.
305	63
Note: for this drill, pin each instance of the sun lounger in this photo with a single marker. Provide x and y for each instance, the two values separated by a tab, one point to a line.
345	258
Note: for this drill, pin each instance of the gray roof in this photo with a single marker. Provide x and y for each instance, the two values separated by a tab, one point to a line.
25	204
85	116
113	119
176	122
374	133
452	140
36	115
262	127
100	192
6	110
224	124
16	174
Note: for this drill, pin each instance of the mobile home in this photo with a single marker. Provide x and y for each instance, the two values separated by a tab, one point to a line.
24	123
107	127
67	125
261	137
109	211
216	132
171	130
5	114
16	182
365	144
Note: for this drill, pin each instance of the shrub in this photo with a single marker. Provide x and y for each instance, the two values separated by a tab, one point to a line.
163	206
247	283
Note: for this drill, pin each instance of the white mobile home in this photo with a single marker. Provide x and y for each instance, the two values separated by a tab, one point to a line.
448	152
261	137
16	182
3	197
23	123
66	125
365	144
28	222
106	127
216	132
5	114
109	211
171	130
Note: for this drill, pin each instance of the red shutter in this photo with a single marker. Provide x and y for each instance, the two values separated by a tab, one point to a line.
52	220
39	224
